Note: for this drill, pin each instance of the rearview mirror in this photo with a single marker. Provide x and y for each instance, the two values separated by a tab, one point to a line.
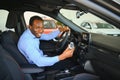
78	14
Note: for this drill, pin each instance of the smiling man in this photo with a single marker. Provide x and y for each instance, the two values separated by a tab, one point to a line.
28	44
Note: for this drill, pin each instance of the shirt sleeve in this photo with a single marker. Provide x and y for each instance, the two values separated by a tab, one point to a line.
37	57
50	36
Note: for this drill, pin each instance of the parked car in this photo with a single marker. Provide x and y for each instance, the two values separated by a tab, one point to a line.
94	53
100	28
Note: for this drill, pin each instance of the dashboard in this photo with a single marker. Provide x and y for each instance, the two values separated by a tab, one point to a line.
82	42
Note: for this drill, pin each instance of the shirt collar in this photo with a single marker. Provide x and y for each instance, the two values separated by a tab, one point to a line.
30	33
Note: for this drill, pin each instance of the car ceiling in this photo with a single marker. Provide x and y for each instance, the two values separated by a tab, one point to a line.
45	4
50	5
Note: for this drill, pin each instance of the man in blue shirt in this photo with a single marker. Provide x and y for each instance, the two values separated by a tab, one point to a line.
28	44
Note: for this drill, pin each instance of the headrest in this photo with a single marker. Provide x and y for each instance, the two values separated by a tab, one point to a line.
12	20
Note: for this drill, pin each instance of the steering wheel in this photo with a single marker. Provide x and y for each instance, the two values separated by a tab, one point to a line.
60	37
62	40
58	44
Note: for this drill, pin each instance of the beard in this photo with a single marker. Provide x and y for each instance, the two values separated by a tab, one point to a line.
38	35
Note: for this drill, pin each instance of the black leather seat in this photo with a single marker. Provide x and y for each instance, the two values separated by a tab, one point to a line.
9	69
9	42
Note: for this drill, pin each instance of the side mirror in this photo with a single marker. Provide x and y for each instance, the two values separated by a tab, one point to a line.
87	27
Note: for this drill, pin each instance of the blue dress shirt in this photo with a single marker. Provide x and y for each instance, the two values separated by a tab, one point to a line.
28	45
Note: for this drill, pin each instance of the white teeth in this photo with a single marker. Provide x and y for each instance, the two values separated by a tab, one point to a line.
39	34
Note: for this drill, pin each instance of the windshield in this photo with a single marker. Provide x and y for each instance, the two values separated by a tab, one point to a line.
90	22
72	16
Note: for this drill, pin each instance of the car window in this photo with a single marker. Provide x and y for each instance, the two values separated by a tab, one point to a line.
48	21
3	19
49	24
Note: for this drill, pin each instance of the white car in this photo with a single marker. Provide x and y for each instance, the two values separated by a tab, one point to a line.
101	28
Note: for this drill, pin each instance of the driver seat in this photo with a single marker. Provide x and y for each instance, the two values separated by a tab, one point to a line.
9	41
9	69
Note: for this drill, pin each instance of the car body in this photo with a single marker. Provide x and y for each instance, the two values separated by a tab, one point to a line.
100	28
94	53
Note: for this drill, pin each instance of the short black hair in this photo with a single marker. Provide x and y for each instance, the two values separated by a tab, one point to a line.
34	18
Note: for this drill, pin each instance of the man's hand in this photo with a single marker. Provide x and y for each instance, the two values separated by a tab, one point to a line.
63	29
66	54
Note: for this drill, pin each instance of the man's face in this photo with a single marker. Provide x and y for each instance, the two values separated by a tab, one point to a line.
37	28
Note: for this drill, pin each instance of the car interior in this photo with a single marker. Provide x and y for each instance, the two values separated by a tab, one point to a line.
94	53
